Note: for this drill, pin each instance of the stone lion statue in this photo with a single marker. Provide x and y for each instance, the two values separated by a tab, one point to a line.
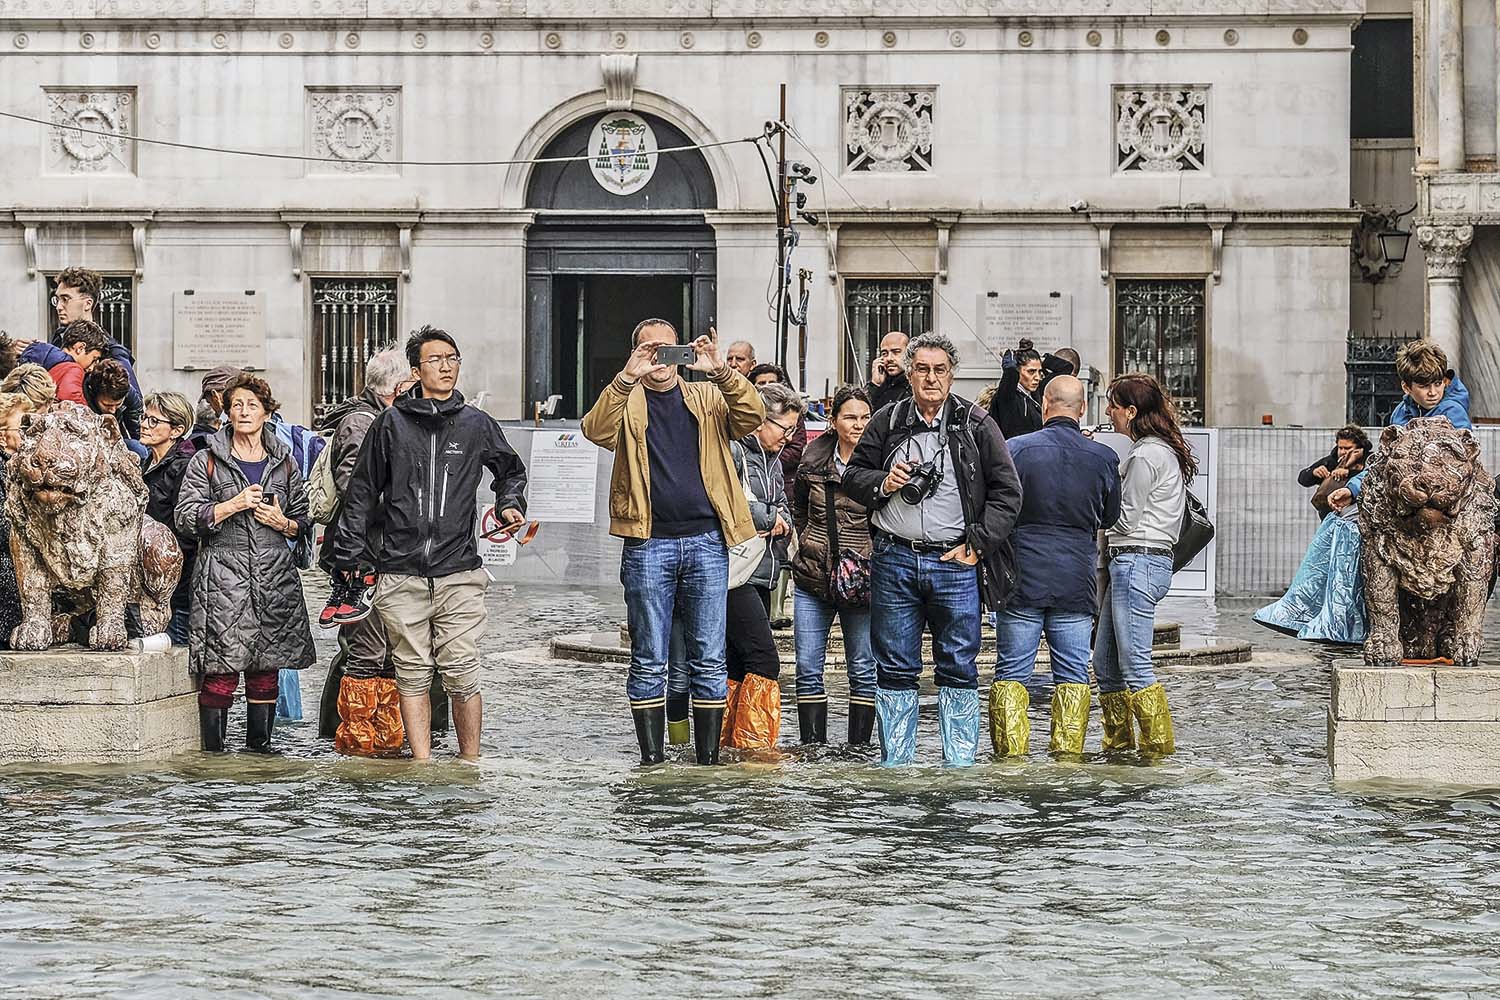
1427	517
76	503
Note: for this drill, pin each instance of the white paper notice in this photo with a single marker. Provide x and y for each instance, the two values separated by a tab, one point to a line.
561	478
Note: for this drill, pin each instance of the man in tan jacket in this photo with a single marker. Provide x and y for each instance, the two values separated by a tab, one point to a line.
676	500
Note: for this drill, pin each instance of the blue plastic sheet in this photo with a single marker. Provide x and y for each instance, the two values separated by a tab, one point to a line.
288	696
1326	599
896	712
958	724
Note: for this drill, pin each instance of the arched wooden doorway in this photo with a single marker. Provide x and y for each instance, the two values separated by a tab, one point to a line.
598	260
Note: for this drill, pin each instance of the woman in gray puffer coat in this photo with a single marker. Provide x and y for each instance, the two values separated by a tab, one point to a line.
245	501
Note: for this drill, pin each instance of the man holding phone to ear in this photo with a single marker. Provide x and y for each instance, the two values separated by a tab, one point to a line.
676	500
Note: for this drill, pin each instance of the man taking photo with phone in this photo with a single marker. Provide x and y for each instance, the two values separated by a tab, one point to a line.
675	499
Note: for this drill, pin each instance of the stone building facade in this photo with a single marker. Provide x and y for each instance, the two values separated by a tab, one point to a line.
1163	183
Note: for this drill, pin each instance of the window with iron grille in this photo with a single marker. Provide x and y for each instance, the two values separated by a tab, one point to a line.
352	319
1159	331
875	308
115	310
1370	367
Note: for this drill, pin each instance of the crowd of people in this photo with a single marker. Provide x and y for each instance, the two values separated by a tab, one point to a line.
916	509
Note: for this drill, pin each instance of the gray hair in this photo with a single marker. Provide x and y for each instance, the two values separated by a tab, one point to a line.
781	399
932	342
384	370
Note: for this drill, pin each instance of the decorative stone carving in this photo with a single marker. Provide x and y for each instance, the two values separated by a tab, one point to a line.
618	70
1445	247
888	130
76	504
1427	517
356	131
99	119
1160	129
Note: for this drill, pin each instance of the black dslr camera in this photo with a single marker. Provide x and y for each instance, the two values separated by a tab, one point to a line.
923	483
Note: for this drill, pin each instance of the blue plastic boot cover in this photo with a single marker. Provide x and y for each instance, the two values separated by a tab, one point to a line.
288	696
958	724
896	712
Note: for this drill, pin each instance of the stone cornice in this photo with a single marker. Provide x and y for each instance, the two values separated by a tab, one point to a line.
674	11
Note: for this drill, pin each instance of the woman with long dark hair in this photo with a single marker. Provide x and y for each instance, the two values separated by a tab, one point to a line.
1153	491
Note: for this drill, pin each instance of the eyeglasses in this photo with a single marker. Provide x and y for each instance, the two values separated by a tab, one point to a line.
445	362
59	300
149	421
786	431
937	371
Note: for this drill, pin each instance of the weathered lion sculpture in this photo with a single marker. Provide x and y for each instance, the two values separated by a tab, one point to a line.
1427	517
76	503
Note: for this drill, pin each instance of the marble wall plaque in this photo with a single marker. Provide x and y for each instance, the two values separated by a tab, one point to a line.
218	328
1045	320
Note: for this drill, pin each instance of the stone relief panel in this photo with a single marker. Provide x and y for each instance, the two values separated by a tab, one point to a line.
1160	129
355	131
94	142
888	130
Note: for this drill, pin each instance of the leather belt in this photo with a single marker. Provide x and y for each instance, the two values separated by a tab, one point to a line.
1136	550
924	548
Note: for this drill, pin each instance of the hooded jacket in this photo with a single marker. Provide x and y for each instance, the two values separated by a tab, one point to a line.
417	473
763	474
130	411
248	612
987	483
348	422
163	486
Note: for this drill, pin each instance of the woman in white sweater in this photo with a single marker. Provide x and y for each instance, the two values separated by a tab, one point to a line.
1152	494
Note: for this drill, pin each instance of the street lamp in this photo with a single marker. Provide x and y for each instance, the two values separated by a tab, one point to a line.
1393	244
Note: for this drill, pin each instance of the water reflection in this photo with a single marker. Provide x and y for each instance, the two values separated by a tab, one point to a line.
556	867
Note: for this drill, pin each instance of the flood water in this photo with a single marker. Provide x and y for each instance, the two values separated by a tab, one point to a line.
557	867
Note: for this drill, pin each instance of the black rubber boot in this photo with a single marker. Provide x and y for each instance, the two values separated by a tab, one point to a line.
861	724
812	719
212	725
707	725
260	722
651	732
328	703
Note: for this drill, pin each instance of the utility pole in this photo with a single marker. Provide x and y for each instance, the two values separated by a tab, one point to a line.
782	223
802	275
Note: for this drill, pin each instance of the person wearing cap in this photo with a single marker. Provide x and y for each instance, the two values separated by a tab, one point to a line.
210	411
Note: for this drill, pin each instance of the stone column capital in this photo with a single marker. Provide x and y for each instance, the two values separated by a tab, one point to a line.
1445	246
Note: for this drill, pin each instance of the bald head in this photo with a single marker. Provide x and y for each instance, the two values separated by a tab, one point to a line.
1063	397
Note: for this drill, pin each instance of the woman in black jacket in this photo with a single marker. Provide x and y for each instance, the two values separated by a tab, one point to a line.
1014	405
830	526
167	418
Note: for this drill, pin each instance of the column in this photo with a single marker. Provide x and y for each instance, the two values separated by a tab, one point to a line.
1450	21
1445	247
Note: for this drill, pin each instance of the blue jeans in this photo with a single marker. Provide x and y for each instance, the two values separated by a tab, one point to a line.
1018	632
910	591
177	627
1127	620
688	577
812	620
679	680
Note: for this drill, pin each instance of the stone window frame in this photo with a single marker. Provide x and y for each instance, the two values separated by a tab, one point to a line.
852	164
1196	154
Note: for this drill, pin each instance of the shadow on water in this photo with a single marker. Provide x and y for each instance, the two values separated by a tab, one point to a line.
556	866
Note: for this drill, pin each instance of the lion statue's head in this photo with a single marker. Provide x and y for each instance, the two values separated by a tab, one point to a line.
65	455
1428	473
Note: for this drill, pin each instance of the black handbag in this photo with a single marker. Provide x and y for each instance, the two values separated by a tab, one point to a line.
1194	534
849	576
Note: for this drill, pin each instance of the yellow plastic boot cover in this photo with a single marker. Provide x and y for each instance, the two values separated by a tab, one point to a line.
1070	718
757	717
731	710
1154	720
369	718
1010	729
1114	708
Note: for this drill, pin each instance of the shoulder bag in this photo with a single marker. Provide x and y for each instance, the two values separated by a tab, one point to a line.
849	574
745	558
1195	532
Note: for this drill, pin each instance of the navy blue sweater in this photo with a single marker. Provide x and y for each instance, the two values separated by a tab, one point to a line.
1070	488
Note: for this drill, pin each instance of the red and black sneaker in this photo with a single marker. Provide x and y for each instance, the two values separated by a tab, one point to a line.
357	600
337	599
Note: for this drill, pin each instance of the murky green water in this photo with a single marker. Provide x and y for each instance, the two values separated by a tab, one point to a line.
558	868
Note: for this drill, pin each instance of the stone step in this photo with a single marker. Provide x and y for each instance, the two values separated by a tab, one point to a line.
1425	724
73	705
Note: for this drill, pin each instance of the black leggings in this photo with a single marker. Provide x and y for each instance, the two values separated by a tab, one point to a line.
749	646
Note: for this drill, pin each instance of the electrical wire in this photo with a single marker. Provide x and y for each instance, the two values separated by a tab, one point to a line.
874	216
263	154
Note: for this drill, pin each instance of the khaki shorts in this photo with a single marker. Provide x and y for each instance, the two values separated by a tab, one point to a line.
434	624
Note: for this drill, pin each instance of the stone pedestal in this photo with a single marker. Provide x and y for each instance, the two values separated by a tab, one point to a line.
1429	724
76	706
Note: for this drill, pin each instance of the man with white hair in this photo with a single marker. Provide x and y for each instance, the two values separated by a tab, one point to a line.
355	681
943	497
740	356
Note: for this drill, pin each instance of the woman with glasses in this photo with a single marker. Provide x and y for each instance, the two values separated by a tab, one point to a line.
752	717
833	557
164	426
